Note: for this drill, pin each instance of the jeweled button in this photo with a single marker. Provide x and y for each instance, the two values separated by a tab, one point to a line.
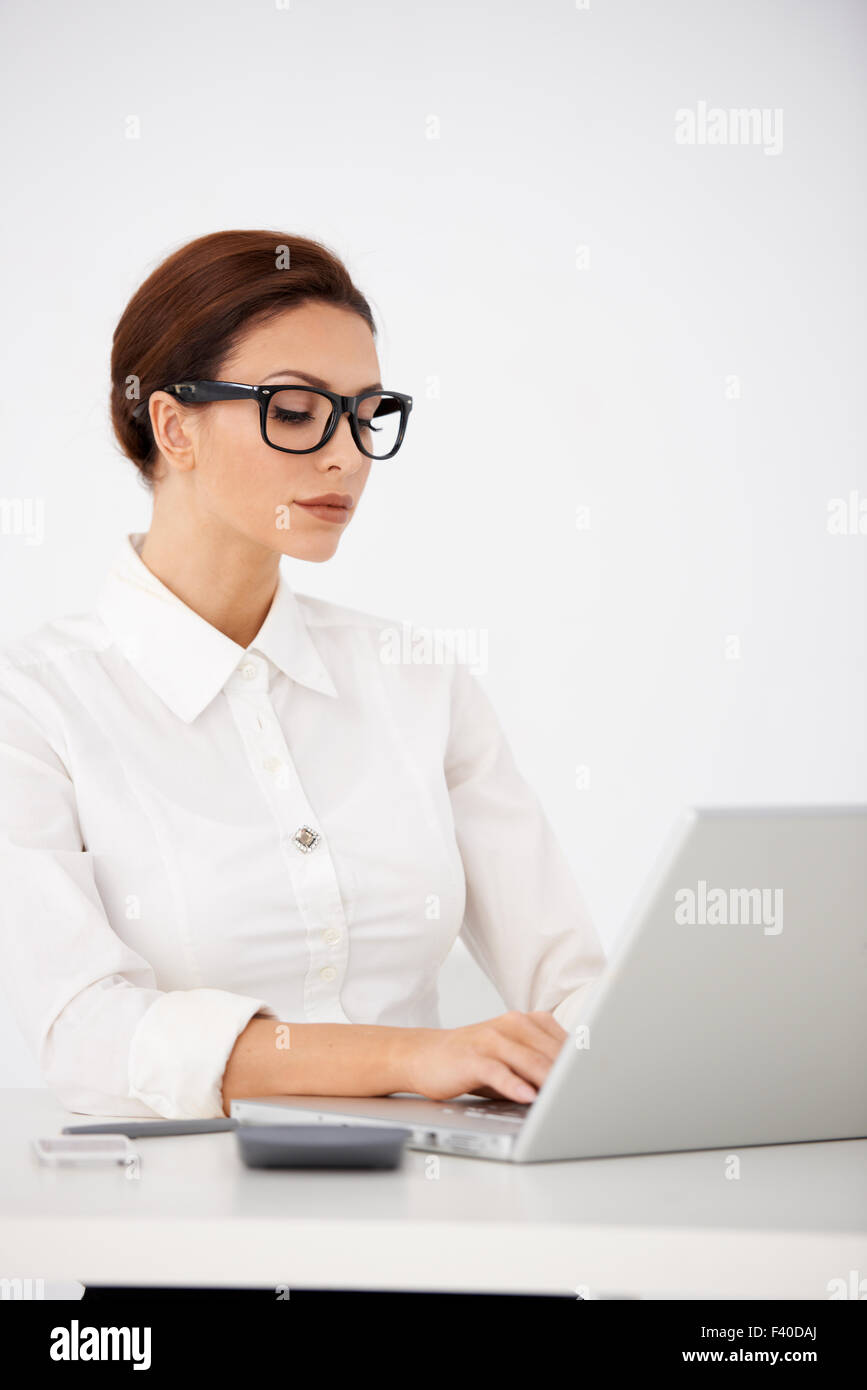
306	839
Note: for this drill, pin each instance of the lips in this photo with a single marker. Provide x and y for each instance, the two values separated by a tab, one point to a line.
328	499
333	507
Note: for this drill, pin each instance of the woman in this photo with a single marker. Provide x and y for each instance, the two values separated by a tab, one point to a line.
238	839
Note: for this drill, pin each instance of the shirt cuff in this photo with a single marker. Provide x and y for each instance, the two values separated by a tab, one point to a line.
180	1048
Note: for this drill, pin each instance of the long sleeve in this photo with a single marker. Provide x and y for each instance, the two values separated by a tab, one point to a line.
108	1040
525	921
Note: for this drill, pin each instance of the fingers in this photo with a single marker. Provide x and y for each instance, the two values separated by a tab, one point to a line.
525	1045
499	1079
546	1020
514	1053
537	1030
527	1062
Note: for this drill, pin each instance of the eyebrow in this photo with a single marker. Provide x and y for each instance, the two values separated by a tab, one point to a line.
316	380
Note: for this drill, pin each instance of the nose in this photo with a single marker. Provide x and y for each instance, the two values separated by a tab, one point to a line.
342	450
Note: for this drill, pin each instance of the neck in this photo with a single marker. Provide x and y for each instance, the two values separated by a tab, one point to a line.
227	579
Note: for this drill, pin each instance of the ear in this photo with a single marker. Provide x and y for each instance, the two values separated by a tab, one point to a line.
175	431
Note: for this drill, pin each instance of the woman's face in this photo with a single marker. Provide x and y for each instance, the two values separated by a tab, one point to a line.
237	480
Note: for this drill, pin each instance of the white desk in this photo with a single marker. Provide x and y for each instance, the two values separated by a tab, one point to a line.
668	1225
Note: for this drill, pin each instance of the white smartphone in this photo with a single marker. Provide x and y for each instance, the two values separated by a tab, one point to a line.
85	1149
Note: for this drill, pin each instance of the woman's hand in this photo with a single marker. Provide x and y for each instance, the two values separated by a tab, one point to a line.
507	1057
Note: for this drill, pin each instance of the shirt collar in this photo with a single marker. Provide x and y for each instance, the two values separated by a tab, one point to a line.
186	661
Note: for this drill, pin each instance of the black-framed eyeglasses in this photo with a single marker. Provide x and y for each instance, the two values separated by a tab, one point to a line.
301	419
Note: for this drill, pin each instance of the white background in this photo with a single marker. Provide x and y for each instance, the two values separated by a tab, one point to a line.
545	378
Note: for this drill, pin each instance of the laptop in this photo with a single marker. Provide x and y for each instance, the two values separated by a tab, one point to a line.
733	1013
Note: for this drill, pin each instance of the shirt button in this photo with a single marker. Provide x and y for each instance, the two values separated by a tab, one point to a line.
331	936
273	764
248	670
306	838
328	973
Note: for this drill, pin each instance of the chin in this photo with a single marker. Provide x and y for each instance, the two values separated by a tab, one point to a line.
313	550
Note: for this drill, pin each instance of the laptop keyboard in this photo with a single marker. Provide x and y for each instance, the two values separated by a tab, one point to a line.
502	1109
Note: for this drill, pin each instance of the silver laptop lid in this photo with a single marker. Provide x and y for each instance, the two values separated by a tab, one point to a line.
733	1012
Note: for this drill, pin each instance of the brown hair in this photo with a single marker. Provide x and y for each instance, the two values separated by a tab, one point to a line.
192	311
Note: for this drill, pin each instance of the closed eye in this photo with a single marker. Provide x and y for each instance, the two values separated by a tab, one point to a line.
289	417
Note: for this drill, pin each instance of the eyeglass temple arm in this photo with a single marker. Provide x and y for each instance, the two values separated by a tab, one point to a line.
195	393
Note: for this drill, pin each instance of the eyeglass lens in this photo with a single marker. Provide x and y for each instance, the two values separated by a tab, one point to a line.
298	417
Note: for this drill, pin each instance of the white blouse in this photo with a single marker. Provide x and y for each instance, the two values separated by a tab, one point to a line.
192	833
